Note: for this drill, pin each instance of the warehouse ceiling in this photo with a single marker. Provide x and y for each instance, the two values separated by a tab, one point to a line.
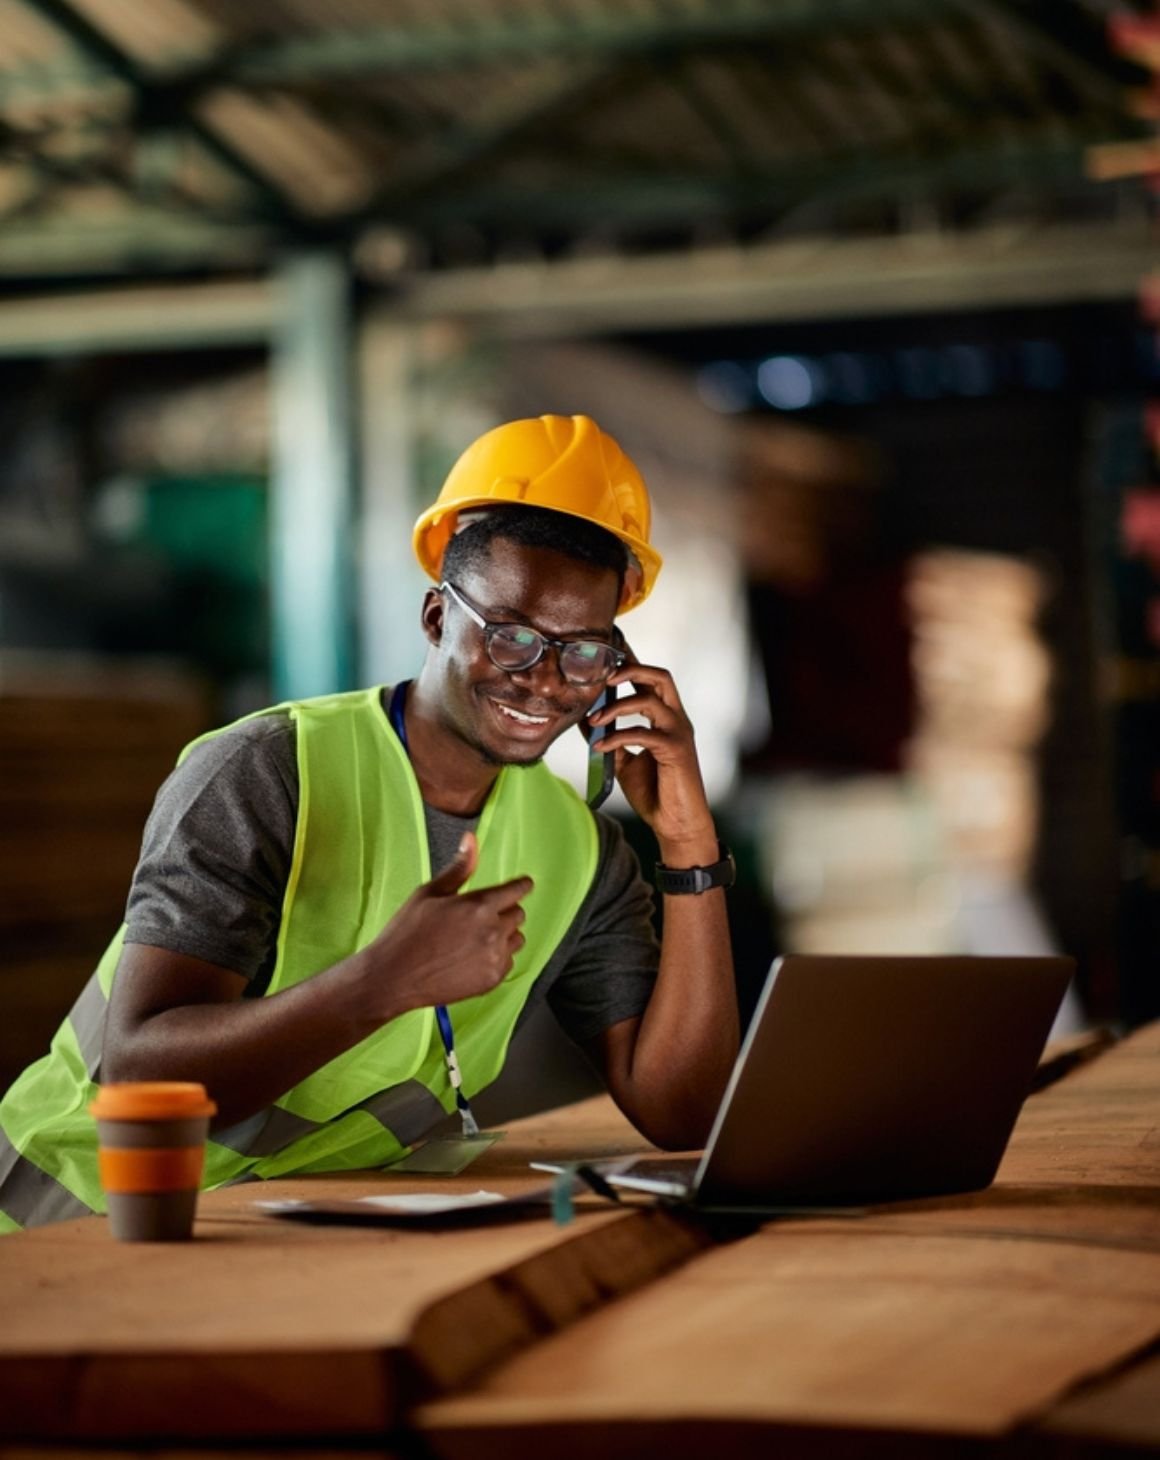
160	137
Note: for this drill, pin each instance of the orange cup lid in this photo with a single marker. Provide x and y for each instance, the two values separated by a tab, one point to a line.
151	1100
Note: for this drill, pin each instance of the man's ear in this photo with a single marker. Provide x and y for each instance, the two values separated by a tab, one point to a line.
431	616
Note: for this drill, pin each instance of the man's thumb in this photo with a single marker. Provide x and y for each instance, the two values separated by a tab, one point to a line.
458	870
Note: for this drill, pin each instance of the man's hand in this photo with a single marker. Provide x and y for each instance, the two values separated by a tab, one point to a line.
667	1068
444	945
663	781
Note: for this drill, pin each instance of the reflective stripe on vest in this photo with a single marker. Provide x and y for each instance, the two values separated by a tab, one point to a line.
32	1195
360	851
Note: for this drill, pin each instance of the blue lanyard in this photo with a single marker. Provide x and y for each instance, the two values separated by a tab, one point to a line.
442	1017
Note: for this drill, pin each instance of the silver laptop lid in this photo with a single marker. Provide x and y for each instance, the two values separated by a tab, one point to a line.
873	1078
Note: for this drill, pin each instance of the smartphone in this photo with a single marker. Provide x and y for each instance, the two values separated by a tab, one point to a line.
600	767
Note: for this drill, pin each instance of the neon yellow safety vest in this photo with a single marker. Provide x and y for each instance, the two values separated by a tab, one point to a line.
360	850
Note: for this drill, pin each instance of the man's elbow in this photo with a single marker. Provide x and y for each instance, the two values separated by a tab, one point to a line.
674	1128
125	1055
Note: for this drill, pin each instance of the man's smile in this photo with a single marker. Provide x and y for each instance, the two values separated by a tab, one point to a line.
531	721
519	716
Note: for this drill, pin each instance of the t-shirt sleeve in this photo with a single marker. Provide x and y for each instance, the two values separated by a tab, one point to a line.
605	968
217	848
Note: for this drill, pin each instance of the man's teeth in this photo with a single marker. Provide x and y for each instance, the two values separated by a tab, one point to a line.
521	717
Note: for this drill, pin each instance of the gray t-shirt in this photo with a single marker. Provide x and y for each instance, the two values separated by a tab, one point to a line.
216	855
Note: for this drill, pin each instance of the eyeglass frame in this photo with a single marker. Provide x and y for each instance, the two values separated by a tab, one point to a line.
490	626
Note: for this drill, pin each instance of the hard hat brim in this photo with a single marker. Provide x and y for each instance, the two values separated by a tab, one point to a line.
436	527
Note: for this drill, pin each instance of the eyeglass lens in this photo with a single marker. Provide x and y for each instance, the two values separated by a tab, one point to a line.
584	661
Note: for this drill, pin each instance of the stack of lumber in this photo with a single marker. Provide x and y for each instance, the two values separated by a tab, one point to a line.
84	745
982	675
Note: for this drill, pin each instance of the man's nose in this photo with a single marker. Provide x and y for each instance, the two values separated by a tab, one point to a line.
544	677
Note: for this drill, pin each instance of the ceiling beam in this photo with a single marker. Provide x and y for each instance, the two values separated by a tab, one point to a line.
1065	38
55	81
143	242
806	279
524	36
159	98
156	317
641	199
1072	42
454	152
676	72
812	278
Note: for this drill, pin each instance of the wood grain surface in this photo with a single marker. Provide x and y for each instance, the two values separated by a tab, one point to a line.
1018	1316
966	1320
262	1327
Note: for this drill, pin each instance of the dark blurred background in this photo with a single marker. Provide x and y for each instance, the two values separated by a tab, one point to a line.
868	289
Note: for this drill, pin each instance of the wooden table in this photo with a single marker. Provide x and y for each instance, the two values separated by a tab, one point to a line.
265	1327
1016	1319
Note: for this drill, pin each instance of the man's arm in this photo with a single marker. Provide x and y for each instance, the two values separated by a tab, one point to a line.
203	921
667	1069
173	1017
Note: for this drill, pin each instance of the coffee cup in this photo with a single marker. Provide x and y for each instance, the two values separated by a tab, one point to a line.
150	1150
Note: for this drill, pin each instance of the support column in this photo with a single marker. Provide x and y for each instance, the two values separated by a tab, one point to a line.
312	496
391	642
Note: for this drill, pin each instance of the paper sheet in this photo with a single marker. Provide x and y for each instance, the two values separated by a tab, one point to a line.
426	1204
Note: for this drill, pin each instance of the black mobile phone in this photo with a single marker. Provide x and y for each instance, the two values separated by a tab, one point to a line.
600	766
601	769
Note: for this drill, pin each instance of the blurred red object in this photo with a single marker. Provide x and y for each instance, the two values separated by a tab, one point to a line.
1137	36
1140	524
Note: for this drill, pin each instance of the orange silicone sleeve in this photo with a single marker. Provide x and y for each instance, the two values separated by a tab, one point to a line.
156	1168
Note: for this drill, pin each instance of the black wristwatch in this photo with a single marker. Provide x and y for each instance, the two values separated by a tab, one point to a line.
722	873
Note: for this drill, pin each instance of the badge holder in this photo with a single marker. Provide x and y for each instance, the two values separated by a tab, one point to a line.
448	1155
445	1155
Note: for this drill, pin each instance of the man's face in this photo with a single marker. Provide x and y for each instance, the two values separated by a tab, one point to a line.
510	717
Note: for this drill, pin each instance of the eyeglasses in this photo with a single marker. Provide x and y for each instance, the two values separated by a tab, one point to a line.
514	647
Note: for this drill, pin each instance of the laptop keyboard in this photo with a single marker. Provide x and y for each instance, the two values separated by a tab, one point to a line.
680	1169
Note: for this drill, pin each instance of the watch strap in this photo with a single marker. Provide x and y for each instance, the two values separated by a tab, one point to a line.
722	873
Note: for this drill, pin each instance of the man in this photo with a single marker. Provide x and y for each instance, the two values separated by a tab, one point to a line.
286	943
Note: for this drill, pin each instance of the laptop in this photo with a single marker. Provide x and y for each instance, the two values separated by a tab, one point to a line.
866	1079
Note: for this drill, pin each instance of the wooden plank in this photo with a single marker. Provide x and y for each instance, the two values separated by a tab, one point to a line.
1122	1409
896	1326
302	1331
1064	1056
84	744
1095	1130
234	1395
456	1338
962	1318
1081	1166
170	1452
797	1327
682	1437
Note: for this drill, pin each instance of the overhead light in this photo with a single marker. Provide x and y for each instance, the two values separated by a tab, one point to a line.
789	382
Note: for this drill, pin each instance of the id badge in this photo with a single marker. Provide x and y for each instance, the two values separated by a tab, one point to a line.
445	1155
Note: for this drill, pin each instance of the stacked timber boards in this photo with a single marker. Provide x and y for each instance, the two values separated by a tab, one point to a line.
84	745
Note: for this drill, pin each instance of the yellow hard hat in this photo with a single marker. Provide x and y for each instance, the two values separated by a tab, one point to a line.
564	463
